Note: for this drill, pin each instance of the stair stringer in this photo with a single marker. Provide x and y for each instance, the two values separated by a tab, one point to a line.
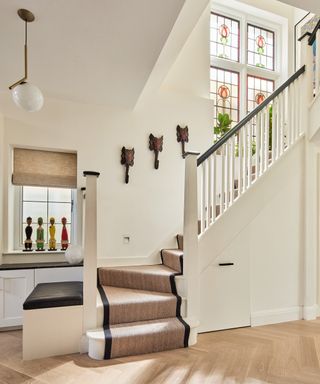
226	228
262	233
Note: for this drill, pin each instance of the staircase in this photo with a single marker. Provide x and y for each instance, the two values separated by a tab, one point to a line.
140	309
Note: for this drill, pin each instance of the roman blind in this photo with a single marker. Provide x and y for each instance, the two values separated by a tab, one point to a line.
44	168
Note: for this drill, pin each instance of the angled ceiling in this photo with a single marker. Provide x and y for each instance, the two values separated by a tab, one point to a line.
98	51
308	5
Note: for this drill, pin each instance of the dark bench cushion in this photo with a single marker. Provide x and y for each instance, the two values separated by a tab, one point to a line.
49	295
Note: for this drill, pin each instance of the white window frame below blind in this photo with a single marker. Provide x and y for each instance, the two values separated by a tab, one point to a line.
248	15
18	219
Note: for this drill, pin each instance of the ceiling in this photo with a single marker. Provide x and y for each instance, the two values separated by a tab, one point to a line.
308	5
98	51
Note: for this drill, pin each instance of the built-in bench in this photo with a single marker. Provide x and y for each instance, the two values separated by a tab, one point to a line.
52	320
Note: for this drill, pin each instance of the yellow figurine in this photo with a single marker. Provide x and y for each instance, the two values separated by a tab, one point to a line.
52	232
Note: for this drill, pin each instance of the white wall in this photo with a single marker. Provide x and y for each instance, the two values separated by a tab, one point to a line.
149	208
267	226
1	182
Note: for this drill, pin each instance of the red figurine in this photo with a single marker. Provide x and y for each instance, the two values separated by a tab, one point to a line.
64	235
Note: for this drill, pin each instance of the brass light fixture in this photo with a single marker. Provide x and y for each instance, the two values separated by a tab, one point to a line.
24	94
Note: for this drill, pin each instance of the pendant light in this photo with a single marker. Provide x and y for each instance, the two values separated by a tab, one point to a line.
25	95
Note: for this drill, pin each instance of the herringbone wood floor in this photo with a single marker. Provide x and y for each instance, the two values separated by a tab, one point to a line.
278	354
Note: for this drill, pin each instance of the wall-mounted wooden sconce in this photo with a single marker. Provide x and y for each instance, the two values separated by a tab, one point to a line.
156	145
182	137
127	159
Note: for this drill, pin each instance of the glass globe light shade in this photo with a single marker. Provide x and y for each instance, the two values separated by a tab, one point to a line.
74	254
28	97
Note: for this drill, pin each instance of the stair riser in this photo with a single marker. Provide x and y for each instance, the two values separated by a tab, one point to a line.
136	281
142	317
97	347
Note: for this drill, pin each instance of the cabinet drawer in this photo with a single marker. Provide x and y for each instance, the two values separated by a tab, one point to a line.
51	275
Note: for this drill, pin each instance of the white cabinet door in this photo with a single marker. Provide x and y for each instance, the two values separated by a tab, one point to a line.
15	286
225	293
51	275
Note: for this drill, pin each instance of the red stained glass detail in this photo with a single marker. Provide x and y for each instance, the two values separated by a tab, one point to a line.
260	98
260	42
224	92
224	31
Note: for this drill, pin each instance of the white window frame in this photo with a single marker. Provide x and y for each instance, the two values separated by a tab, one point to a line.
246	14
18	219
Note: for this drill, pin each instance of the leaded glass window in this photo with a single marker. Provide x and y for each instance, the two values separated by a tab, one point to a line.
224	37
258	90
260	47
224	90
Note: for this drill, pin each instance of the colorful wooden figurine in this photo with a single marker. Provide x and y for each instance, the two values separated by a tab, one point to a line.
40	235
28	231
64	235
52	233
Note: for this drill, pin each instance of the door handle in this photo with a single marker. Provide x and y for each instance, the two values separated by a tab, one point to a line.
225	264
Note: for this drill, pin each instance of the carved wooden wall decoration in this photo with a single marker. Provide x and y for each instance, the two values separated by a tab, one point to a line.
127	159
156	145
182	137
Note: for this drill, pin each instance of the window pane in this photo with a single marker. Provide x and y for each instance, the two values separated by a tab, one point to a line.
60	194
34	210
59	210
34	194
224	37
260	47
258	90
225	93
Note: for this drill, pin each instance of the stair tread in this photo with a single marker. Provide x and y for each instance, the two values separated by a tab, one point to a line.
157	269
137	328
119	295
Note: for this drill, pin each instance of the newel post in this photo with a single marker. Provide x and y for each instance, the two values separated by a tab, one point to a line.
90	253
190	236
309	190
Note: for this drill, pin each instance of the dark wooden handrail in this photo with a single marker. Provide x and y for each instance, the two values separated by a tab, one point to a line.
313	35
249	117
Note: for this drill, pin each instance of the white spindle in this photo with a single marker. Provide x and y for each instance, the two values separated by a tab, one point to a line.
258	144
214	188
222	198
202	216
240	154
249	126
227	193
232	161
296	109
317	62
274	131
245	156
300	117
289	116
282	120
267	138
206	194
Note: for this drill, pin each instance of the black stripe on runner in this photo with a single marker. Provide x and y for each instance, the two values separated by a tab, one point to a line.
106	328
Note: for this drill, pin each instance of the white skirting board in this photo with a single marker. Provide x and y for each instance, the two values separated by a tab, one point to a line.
52	331
275	316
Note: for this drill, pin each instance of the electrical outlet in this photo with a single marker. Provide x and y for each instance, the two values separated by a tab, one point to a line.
126	239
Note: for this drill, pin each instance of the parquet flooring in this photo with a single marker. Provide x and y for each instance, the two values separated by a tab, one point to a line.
278	354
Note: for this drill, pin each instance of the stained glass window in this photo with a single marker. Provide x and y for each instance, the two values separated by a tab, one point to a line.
258	90
260	47
224	37
224	90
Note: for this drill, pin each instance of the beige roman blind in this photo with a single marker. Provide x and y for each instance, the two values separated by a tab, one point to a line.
44	168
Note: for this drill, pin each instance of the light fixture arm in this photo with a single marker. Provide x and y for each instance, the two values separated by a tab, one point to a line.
28	17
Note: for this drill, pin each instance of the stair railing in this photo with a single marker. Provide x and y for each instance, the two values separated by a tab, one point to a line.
244	154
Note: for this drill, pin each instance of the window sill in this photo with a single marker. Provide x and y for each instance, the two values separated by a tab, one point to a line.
20	252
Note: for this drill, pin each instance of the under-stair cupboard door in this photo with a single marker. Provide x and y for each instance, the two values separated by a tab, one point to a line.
15	286
225	293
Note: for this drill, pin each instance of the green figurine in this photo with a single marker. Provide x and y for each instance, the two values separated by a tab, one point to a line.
40	235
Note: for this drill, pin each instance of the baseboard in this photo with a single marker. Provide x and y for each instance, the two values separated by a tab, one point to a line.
275	316
310	312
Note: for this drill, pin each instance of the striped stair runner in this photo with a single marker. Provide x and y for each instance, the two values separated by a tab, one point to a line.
141	309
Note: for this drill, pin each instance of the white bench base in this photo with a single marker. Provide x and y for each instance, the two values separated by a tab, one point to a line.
52	331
